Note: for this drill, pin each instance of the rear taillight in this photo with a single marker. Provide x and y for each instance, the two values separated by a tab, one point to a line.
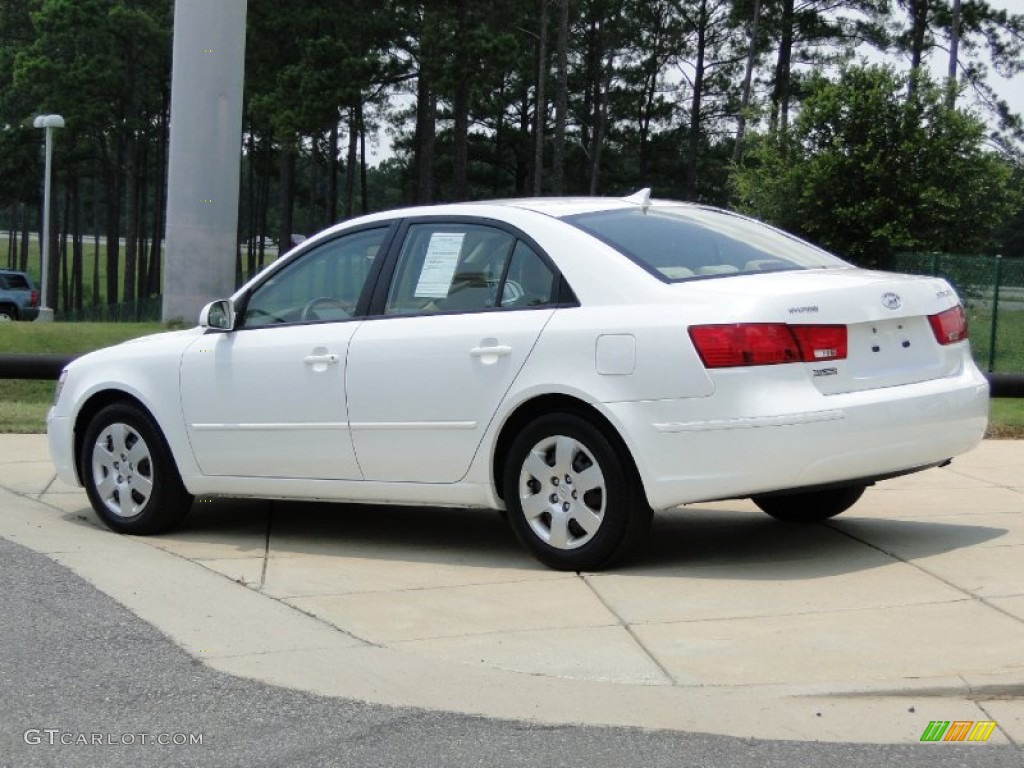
727	346
950	326
33	298
820	342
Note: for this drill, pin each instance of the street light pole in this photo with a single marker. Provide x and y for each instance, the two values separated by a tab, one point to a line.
49	122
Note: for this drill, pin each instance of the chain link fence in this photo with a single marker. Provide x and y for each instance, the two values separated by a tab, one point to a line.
992	289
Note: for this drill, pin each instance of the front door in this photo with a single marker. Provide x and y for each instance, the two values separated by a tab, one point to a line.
268	399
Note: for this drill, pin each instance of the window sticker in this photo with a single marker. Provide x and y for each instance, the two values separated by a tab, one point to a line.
439	265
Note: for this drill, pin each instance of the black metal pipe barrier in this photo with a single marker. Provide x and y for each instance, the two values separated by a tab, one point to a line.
1006	384
33	366
49	366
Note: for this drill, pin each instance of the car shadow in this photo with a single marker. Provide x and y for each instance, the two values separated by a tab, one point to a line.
694	541
723	543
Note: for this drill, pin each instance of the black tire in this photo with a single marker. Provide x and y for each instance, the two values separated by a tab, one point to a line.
586	527
8	313
129	473
809	506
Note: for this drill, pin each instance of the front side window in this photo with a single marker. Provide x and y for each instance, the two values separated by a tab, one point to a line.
678	243
323	285
459	267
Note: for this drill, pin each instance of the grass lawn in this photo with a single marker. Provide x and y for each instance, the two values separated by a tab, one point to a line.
1006	418
23	404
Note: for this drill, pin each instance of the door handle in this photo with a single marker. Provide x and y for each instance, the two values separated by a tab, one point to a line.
499	350
321	359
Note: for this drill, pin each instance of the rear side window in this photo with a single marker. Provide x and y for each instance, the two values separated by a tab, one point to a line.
680	243
14	282
460	267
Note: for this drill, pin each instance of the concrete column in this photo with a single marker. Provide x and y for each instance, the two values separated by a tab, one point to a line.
205	154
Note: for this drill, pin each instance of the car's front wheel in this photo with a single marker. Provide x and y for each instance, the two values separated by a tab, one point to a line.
129	473
809	506
573	498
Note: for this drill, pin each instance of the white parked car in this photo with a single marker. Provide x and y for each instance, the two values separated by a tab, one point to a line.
576	362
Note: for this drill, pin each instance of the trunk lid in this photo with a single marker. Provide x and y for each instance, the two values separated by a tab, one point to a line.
889	338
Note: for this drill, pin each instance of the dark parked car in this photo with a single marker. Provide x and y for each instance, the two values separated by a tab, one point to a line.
19	300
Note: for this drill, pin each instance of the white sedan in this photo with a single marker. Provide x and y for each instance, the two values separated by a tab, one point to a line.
576	362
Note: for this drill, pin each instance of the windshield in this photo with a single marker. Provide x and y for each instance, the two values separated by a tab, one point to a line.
683	242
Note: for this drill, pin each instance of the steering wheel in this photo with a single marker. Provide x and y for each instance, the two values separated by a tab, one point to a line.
312	304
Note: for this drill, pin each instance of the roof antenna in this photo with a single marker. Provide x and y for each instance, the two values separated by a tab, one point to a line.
641	198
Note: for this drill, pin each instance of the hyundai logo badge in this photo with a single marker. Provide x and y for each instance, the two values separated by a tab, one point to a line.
891	301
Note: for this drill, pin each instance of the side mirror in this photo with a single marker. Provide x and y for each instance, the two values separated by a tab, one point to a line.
219	315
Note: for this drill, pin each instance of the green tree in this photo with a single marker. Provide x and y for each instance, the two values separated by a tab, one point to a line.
868	169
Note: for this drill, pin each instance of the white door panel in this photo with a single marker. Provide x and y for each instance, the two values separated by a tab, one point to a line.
422	390
270	402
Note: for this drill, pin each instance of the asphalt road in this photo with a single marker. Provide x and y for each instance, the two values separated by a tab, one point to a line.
77	667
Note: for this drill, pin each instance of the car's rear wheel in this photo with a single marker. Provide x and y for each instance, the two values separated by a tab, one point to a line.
809	506
129	473
573	498
7	313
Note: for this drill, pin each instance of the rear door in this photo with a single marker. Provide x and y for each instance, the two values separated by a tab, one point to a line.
463	312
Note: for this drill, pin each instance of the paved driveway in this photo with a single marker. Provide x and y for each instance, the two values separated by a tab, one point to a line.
908	608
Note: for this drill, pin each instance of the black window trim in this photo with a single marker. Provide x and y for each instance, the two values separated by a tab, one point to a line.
565	297
391	226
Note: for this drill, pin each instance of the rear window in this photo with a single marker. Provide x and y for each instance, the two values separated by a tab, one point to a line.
14	282
682	243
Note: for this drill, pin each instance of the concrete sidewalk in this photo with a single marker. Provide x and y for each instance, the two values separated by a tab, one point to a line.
906	609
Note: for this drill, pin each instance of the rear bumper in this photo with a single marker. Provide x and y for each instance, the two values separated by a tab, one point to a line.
791	436
28	313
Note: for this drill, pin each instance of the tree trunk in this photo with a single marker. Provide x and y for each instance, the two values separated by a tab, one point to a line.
919	12
426	107
561	99
153	274
460	110
748	73
265	197
131	219
918	31
95	245
954	55
600	121
65	276
696	103
332	173
114	186
23	257
141	252
287	199
783	81
350	162
250	190
364	199
523	144
76	240
540	109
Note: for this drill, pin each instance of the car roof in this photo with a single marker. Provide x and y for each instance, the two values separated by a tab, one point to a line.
555	207
559	207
